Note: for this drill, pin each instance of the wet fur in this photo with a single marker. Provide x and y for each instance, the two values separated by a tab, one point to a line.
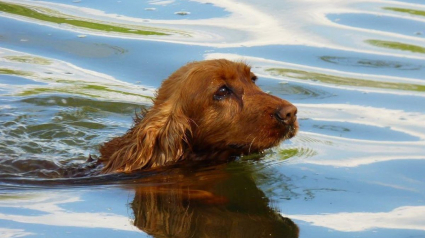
186	122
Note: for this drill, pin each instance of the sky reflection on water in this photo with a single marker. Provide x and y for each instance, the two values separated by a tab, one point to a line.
354	69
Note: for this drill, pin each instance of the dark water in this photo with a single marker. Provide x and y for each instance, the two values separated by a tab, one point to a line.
72	74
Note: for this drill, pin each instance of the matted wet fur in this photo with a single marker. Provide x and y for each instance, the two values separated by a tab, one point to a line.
205	110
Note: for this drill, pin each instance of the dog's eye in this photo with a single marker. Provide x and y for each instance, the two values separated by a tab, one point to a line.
222	93
254	79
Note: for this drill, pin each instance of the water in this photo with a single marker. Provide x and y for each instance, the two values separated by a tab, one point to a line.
72	73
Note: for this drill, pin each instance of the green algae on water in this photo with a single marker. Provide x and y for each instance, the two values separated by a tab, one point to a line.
28	59
338	80
89	90
36	13
397	46
15	72
406	10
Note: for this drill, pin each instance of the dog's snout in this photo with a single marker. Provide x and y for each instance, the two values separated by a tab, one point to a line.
286	114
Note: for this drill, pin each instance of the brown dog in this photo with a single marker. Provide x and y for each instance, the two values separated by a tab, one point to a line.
205	110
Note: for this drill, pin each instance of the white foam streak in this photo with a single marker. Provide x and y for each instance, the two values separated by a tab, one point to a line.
398	120
49	203
408	217
14	233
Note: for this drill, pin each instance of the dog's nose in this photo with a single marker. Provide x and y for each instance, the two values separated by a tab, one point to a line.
286	114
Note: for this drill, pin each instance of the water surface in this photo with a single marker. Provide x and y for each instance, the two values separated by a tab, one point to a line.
73	73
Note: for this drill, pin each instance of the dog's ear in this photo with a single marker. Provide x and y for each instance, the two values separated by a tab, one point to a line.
157	139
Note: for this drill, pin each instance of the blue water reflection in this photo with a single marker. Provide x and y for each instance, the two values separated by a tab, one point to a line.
13	80
402	26
152	9
96	52
354	170
355	131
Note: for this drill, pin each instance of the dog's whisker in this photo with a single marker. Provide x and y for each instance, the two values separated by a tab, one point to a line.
249	149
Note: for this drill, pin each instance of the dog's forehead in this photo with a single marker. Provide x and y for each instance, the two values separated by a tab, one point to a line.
234	71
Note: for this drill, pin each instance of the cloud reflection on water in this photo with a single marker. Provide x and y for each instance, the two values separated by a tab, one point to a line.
250	23
408	217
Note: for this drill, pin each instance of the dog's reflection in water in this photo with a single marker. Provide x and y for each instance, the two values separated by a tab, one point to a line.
215	202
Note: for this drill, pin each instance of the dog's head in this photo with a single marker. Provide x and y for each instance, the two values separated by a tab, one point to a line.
206	107
225	108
